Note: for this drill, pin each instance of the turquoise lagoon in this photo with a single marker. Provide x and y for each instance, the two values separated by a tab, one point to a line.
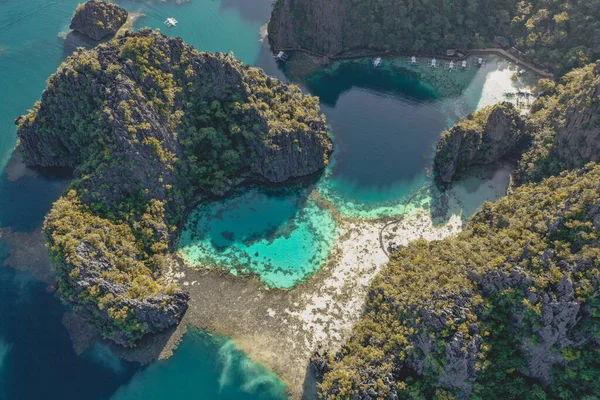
279	235
385	124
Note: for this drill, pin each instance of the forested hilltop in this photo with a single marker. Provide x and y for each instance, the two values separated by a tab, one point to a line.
507	309
149	124
562	131
558	34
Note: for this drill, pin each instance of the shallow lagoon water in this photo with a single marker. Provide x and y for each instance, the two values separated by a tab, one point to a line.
385	123
280	235
182	377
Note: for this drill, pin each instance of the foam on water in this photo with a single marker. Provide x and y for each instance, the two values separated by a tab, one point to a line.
224	372
280	235
102	355
4	349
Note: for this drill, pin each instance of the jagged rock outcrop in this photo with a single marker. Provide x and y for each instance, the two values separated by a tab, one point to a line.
504	310
482	138
98	19
148	123
567	127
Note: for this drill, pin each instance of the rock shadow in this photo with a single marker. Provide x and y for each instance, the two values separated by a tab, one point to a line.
28	194
258	10
74	40
466	195
148	349
310	390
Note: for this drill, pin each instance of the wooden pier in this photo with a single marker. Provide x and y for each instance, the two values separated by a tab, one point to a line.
538	71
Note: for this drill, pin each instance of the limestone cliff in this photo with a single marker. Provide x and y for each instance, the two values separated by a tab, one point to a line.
148	123
567	126
507	309
482	138
98	19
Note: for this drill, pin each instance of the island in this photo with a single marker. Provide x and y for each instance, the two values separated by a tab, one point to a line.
150	126
98	19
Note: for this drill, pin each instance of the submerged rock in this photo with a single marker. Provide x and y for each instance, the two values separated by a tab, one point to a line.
98	19
148	123
482	138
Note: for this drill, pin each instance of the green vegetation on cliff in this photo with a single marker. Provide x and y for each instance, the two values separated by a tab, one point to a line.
149	124
482	138
98	19
507	309
567	126
559	35
561	132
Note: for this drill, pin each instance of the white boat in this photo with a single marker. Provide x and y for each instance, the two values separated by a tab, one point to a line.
433	63
170	22
451	66
281	56
413	60
377	62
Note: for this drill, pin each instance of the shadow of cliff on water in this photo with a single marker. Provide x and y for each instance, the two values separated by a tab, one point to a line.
466	194
258	10
330	83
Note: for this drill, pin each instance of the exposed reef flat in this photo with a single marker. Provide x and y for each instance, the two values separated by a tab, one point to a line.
282	328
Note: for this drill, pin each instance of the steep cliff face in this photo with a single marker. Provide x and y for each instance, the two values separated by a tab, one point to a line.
567	126
147	123
98	19
337	26
482	138
503	310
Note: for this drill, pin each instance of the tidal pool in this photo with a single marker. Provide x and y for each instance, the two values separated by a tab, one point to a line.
280	235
